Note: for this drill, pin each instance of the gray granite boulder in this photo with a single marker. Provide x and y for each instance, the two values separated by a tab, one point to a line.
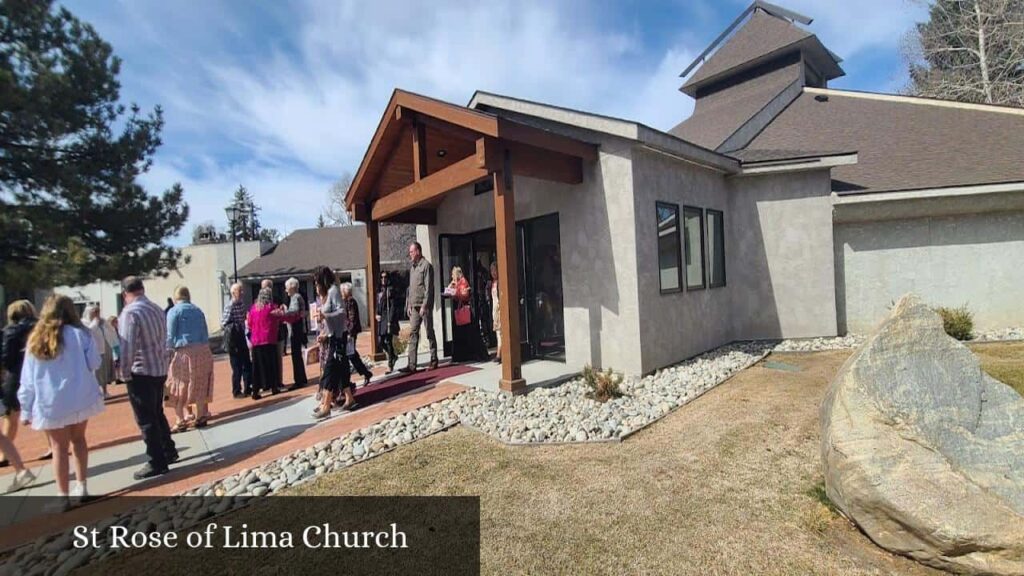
924	451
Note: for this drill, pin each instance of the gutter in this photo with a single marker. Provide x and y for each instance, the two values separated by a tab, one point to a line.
796	164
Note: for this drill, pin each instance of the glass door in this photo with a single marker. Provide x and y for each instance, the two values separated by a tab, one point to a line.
456	250
541	306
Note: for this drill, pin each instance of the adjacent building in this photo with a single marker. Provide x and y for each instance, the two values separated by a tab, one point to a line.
781	208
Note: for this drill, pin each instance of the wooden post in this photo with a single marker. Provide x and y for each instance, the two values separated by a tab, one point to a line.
419	151
508	279
372	281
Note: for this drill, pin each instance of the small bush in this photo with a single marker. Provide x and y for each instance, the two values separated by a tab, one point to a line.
603	385
958	322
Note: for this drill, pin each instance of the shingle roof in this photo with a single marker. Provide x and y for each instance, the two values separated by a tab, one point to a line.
716	116
761	34
902	143
341	248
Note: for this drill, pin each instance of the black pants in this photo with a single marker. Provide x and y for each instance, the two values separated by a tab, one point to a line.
387	344
336	375
357	362
266	368
146	396
241	370
298	341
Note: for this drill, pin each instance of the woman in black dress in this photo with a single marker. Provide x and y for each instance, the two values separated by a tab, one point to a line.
467	345
387	320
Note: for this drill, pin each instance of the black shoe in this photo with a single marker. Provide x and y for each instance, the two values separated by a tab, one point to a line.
4	463
294	387
239	395
148	471
432	365
275	391
173	457
366	379
408	370
256	396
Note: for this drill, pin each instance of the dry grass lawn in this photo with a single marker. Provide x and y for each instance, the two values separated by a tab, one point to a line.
729	484
1004	361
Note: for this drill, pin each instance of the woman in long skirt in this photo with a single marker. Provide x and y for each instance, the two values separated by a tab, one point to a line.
190	378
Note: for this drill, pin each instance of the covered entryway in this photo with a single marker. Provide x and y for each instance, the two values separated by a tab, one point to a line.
425	148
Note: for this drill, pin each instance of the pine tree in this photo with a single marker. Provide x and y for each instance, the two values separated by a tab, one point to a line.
71	209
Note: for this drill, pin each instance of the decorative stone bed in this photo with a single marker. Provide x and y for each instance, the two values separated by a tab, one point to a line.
558	414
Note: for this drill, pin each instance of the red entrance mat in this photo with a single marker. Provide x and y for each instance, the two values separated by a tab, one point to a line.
402	383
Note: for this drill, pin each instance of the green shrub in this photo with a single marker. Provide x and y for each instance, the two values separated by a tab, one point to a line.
603	385
958	322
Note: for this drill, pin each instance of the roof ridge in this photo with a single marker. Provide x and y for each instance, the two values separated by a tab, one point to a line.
919	100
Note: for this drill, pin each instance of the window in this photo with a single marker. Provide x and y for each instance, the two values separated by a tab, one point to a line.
668	247
716	248
693	247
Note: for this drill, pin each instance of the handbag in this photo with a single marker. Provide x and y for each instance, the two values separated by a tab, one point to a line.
462	315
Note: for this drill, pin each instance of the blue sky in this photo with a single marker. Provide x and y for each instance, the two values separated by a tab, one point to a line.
283	96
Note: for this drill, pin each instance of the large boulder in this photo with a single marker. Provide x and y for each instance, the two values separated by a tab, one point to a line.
924	451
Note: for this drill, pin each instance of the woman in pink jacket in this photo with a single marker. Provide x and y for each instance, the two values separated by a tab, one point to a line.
263	320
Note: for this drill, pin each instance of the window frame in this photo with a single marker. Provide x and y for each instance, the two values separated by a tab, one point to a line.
703	249
680	279
721	215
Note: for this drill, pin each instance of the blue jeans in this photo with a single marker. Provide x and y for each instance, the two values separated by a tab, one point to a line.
241	367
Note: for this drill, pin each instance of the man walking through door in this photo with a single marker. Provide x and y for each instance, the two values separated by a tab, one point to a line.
419	304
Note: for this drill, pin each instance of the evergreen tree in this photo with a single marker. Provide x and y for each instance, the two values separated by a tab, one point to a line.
971	51
71	209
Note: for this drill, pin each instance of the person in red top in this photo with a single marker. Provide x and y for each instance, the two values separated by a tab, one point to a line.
264	320
467	343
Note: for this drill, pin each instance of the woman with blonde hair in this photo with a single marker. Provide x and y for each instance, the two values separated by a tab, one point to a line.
190	377
21	318
106	337
467	344
59	392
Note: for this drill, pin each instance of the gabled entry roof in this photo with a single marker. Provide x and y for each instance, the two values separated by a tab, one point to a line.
421	138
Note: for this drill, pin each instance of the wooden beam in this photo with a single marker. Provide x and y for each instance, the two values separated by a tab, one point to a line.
516	132
419	151
461	173
545	165
452	113
508	280
426	216
372	281
360	212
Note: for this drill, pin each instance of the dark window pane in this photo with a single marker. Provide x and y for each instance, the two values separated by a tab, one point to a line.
693	239
716	248
668	246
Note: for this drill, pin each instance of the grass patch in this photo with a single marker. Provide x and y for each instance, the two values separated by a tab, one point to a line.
957	322
1003	361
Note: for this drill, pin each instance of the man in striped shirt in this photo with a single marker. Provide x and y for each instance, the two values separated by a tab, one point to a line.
142	328
233	322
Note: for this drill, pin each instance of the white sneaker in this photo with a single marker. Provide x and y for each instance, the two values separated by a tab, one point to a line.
78	493
22	480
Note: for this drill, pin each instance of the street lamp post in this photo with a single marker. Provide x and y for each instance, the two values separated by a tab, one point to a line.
232	211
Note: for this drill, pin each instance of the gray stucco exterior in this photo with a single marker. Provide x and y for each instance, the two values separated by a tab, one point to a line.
972	259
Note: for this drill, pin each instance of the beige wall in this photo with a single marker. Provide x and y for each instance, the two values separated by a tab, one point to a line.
207	275
596	228
781	263
973	259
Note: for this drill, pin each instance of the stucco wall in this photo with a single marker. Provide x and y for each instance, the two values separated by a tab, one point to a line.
780	260
596	234
948	260
677	325
207	276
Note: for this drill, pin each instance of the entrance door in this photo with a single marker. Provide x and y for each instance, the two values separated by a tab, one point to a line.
540	285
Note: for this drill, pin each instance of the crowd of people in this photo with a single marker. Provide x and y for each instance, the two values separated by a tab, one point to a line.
57	366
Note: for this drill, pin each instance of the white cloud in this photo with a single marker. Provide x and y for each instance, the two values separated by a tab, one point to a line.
284	99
